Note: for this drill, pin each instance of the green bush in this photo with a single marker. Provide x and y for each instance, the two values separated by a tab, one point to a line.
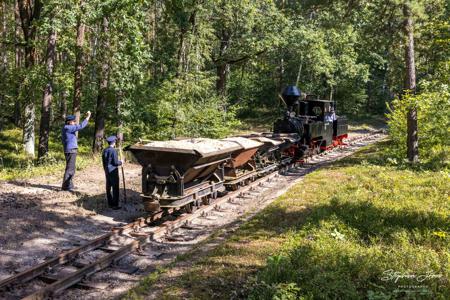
187	107
16	164
433	127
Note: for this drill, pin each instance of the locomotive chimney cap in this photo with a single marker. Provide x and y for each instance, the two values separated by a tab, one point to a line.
291	95
292	90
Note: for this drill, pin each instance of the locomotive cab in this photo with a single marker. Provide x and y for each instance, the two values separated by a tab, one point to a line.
319	131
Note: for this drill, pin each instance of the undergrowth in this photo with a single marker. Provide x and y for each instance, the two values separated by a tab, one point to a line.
15	164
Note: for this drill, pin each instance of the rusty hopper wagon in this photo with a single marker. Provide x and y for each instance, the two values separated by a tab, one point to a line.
241	168
179	173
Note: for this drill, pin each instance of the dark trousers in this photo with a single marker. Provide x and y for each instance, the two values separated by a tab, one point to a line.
112	183
71	158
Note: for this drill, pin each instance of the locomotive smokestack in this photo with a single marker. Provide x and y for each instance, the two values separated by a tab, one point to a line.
291	95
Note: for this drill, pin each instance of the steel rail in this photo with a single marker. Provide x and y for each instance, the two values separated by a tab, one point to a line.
169	226
61	259
59	286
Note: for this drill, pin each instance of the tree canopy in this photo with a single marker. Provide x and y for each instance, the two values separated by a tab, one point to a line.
161	69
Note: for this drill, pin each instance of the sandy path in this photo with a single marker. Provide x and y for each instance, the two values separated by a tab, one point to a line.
38	220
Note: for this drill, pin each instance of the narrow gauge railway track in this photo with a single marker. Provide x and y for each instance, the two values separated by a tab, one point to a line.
156	226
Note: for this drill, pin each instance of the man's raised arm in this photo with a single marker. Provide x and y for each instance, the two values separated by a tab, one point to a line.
77	127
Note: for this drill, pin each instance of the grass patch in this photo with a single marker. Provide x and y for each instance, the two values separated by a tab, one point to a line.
382	154
355	230
15	164
145	284
366	122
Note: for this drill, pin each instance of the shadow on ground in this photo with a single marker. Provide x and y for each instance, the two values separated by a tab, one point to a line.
215	274
33	230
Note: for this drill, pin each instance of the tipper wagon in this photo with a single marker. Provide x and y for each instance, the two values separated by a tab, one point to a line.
178	173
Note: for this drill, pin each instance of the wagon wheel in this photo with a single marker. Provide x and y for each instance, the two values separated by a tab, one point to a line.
165	211
189	208
206	200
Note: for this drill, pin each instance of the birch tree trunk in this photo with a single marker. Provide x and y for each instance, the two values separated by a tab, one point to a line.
410	84
29	14
119	101
4	67
17	64
63	105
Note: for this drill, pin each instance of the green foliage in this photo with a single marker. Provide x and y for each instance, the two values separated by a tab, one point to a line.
280	291
360	229
368	224
185	107
165	58
434	127
15	164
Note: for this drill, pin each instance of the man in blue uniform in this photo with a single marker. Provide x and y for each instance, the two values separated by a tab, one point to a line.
331	116
111	163
70	143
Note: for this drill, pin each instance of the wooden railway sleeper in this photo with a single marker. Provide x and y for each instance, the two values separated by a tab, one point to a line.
59	286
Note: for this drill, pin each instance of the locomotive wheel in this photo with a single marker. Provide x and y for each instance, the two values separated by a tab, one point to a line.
316	150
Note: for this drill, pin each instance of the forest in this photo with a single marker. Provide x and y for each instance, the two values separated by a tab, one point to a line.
163	69
221	184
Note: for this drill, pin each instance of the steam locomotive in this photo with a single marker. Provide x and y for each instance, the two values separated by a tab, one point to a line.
190	172
314	120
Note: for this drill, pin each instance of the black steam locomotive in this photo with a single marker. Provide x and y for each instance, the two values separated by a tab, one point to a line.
314	120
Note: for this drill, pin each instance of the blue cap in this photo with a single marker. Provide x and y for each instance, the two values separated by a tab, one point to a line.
70	118
111	139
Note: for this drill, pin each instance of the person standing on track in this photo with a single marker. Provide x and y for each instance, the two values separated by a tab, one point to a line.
70	143
110	165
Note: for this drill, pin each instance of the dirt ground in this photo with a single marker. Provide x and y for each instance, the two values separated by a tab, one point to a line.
39	220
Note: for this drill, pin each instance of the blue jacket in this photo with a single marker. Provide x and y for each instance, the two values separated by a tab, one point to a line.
68	137
110	159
